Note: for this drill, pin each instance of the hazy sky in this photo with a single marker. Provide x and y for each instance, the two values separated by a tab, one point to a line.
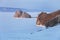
32	4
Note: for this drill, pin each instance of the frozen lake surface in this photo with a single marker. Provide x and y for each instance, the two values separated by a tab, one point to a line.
25	29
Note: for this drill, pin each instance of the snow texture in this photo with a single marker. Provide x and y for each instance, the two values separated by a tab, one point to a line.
25	29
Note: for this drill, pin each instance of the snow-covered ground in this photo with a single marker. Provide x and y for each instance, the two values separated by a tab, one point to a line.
25	29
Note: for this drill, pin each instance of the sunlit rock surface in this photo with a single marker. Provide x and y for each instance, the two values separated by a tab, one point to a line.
50	19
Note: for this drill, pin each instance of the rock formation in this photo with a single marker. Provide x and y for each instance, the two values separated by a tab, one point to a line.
50	19
21	14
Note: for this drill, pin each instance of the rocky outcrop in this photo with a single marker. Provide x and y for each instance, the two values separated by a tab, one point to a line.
21	14
41	17
50	19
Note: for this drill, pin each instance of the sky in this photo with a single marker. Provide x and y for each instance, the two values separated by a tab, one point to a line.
32	4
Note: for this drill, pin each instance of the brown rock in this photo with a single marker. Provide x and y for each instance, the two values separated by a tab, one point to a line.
21	14
48	19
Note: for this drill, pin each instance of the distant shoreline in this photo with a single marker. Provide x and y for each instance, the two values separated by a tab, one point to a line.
12	9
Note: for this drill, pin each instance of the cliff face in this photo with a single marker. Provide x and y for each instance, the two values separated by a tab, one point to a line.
48	19
41	18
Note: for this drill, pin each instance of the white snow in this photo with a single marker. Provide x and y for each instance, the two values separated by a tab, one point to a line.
43	26
25	29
